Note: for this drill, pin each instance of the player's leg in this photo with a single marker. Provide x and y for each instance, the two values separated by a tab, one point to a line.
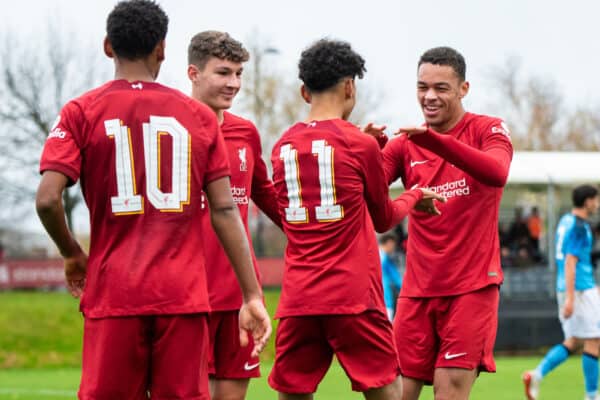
589	364
180	357
587	308
466	325
302	357
557	355
364	346
228	389
232	365
116	354
411	388
453	383
416	342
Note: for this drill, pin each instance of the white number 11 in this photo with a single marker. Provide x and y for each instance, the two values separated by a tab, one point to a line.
328	210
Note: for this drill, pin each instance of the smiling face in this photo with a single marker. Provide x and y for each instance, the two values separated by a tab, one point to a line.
440	92
217	83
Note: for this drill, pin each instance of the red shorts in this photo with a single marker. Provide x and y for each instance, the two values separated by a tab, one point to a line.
447	332
227	359
363	344
125	357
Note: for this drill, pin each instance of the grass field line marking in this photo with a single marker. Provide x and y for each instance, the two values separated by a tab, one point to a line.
40	392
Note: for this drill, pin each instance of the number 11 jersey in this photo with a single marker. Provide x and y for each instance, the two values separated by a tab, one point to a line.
143	153
332	195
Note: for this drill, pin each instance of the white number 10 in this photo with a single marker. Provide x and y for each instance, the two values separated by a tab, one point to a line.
127	201
328	211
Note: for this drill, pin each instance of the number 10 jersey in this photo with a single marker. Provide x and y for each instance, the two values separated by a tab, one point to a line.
143	153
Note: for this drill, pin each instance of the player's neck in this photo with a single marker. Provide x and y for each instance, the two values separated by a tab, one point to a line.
133	71
581	213
322	109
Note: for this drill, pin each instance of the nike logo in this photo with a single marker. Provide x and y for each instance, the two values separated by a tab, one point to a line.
449	356
249	367
413	163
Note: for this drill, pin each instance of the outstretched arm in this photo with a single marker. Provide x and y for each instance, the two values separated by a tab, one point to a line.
50	210
489	166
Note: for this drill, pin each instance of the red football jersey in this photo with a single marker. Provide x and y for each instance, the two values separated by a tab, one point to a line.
143	153
457	252
249	180
332	194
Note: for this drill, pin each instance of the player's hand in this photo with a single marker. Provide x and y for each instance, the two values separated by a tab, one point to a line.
567	310
427	203
254	318
411	131
373	130
75	269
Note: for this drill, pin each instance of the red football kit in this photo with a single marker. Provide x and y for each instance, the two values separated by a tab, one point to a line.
249	180
143	153
458	252
332	194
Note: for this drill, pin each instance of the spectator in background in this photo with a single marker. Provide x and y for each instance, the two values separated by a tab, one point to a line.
392	281
534	226
518	233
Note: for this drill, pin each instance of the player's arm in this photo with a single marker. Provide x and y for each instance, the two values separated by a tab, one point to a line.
263	191
228	226
489	166
570	263
384	212
50	210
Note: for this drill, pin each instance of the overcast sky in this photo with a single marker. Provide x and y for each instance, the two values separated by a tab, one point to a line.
554	39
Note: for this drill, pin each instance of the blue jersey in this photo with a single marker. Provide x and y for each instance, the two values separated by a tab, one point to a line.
391	278
574	237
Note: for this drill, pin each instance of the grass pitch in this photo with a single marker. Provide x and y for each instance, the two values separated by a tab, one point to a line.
40	353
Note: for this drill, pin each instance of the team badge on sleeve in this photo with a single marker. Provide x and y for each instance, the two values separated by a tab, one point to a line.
55	131
502	129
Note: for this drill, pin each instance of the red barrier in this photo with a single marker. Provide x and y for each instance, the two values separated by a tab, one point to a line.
32	274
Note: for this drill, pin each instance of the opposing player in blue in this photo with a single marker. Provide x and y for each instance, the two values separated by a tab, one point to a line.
389	272
577	294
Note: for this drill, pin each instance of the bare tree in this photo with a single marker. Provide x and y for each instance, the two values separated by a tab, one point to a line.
36	80
536	114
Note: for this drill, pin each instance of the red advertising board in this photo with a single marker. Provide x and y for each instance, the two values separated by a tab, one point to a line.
31	274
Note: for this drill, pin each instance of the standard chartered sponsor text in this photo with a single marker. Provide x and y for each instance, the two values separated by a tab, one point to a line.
452	189
239	195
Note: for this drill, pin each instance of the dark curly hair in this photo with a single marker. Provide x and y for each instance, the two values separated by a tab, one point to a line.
445	56
326	62
207	44
135	27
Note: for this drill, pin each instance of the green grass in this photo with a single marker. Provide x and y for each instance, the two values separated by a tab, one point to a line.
40	356
564	384
39	329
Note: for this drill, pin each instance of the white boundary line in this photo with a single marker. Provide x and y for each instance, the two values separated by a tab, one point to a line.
39	392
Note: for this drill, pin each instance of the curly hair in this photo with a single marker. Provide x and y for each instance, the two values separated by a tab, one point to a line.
135	27
326	62
207	44
445	56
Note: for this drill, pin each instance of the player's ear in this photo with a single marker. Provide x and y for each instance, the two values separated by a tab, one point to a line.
349	88
108	50
160	51
192	72
305	93
464	89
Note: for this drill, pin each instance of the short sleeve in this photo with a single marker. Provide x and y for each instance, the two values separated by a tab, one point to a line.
62	150
575	241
